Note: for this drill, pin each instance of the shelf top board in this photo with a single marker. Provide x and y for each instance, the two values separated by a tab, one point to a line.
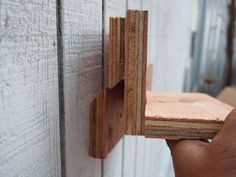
186	107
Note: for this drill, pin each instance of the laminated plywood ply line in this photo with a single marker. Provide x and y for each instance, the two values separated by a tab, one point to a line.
183	115
135	69
125	107
116	51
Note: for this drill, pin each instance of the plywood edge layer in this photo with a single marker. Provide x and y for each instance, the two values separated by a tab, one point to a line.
116	51
149	77
177	135
183	115
183	125
181	130
135	69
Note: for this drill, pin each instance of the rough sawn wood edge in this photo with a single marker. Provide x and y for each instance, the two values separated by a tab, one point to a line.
136	29
116	51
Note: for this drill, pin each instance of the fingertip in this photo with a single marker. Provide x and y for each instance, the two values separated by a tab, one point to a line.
230	121
228	129
231	116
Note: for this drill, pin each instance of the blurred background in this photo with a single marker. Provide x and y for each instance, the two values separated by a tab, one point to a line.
191	45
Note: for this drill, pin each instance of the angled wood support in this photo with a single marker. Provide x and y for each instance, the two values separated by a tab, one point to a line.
107	121
126	108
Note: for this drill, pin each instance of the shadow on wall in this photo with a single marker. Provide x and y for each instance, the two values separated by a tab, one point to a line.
82	82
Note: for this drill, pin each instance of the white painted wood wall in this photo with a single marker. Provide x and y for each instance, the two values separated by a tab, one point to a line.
29	116
52	54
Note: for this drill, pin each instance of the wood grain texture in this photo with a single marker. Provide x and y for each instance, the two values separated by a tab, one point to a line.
130	142
112	165
107	121
135	68
192	115
113	8
29	129
149	77
116	50
98	126
82	37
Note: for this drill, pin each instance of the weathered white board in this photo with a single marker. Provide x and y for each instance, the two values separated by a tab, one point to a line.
82	40
112	165
135	4
29	117
129	156
170	43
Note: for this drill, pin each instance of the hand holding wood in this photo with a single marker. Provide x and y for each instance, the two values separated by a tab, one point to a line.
197	158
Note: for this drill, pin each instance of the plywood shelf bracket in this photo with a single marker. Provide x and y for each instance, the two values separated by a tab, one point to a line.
126	107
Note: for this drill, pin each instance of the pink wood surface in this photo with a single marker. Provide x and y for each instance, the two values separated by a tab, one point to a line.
194	107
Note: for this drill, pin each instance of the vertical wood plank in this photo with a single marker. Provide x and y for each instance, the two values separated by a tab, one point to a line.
135	69
149	77
130	142
113	8
82	40
112	165
116	50
29	128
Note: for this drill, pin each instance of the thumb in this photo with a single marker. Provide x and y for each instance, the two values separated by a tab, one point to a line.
187	156
230	125
228	132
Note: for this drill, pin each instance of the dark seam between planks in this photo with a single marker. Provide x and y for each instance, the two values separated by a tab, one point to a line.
103	44
123	139
60	53
103	64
